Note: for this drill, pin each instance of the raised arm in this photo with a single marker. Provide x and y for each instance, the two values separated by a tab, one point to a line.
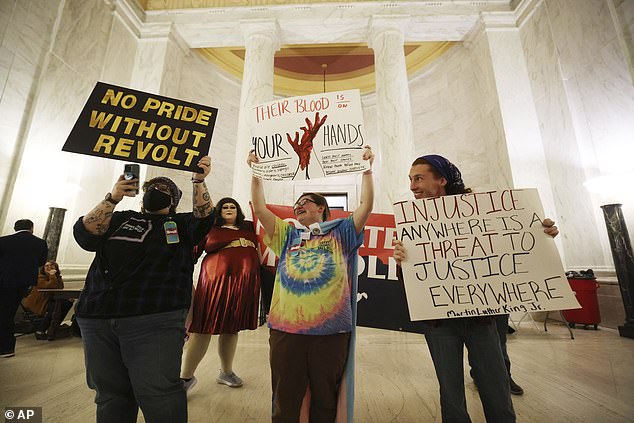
97	221
362	212
266	216
203	205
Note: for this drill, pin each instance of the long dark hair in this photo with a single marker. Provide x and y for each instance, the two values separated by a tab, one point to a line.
217	216
57	272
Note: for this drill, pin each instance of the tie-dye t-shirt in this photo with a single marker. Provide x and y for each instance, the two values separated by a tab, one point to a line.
311	294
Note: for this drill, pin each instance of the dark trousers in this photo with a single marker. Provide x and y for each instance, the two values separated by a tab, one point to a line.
9	301
65	306
299	361
134	362
502	325
446	343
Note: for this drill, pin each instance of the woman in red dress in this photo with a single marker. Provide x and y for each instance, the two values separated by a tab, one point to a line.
226	297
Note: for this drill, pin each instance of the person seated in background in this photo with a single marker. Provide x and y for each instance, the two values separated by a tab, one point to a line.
40	303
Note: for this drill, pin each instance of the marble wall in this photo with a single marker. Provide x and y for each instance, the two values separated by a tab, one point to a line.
456	114
47	176
26	29
204	83
585	100
575	214
624	16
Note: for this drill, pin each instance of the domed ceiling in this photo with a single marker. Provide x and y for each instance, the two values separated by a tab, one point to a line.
306	69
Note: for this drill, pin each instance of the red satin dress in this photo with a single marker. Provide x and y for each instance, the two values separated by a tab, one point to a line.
226	299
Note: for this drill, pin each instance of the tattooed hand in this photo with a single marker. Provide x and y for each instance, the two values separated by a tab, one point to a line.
205	164
203	205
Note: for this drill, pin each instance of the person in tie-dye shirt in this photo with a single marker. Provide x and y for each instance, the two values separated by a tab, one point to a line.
311	316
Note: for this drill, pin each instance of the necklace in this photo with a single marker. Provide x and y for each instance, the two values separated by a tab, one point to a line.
234	227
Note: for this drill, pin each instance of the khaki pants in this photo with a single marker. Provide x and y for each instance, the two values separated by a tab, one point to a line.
300	361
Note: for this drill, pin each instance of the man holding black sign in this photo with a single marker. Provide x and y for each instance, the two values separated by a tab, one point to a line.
435	176
138	289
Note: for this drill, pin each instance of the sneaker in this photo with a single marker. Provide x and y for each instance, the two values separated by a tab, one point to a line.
515	388
189	383
230	379
41	336
7	354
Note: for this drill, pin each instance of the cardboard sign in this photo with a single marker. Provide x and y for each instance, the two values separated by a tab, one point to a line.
309	137
479	254
133	126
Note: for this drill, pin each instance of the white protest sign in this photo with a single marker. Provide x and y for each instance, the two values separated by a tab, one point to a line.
308	137
479	254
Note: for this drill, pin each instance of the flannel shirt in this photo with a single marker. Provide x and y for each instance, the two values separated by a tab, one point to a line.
135	271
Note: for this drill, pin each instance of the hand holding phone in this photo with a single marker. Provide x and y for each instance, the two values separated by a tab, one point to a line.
132	171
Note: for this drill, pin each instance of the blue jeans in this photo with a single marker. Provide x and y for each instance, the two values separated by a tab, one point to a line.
502	325
446	343
134	362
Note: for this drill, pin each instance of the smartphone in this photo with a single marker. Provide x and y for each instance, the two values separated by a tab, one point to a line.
131	171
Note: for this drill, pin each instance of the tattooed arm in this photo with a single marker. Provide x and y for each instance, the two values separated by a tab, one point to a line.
202	200
97	221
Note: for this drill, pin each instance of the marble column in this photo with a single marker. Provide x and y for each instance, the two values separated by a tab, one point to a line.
261	42
623	262
524	143
53	230
394	115
143	66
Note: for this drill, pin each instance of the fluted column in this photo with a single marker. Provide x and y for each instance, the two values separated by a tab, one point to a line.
394	114
261	43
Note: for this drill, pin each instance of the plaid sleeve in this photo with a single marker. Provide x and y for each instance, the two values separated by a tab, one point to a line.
91	242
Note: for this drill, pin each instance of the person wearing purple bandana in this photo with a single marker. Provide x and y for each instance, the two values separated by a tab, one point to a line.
434	176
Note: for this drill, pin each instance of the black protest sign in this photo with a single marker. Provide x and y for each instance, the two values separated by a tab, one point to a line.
124	124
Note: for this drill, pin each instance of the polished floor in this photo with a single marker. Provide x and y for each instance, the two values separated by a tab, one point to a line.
588	379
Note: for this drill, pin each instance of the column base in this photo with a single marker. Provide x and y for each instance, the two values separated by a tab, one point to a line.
627	330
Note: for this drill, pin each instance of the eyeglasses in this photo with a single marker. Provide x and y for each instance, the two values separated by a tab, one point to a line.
229	206
303	201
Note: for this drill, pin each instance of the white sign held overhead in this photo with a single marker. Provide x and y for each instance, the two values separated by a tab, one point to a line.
309	137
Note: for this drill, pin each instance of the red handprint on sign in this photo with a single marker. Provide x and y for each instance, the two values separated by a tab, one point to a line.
304	147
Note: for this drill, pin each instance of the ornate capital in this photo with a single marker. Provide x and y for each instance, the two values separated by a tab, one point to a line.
387	24
261	28
134	19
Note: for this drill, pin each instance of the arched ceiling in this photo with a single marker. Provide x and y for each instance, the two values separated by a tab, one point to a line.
302	69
